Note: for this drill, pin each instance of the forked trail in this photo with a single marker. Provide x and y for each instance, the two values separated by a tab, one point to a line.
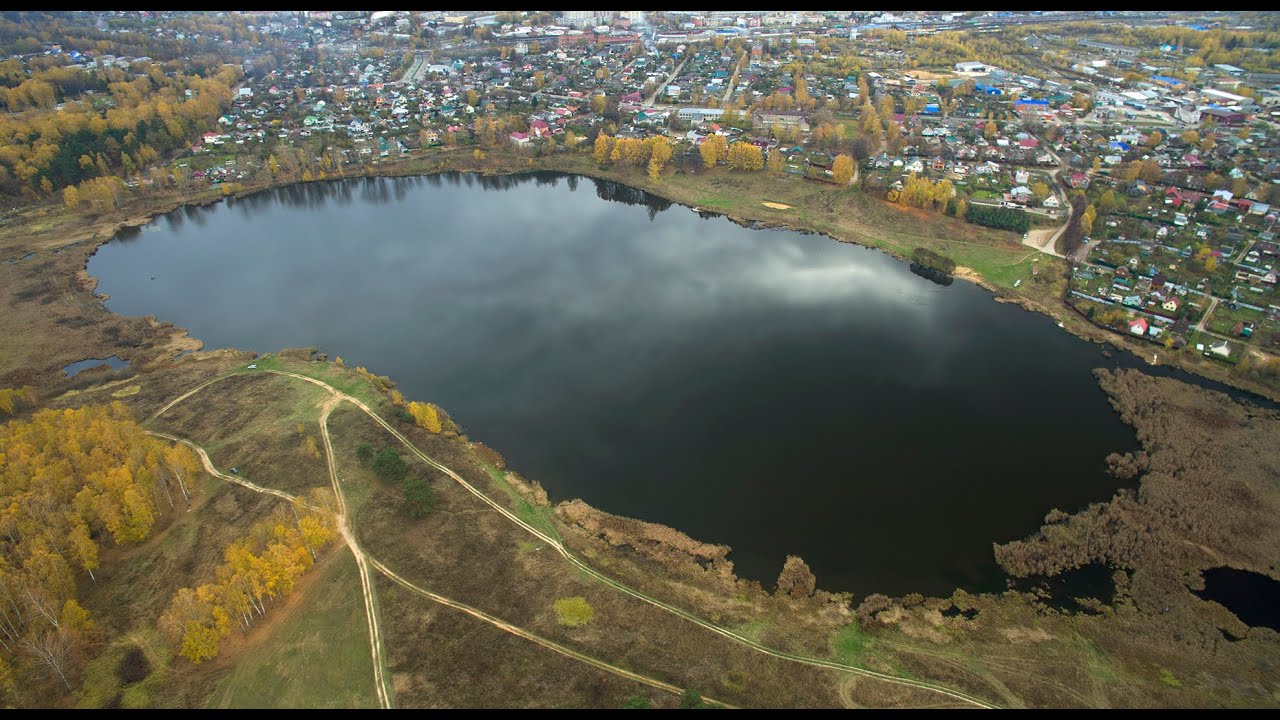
363	561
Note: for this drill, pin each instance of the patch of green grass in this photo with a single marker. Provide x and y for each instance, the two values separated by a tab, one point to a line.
717	202
755	629
1097	664
850	644
317	656
1167	678
538	517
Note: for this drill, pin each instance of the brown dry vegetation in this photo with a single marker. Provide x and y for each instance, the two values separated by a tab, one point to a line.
442	658
1208	496
466	551
250	422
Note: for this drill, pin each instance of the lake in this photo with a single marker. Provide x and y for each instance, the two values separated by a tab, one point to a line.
778	392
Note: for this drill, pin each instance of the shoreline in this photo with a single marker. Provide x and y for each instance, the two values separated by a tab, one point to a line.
100	231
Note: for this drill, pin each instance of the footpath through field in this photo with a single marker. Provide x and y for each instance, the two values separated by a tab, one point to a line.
370	601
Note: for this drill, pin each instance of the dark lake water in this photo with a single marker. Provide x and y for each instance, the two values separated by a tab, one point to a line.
113	362
1253	597
774	391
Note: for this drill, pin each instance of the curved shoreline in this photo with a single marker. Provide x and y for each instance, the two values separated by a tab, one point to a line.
102	230
1093	334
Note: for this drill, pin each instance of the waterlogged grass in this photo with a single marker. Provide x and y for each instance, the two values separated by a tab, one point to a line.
851	645
755	629
102	685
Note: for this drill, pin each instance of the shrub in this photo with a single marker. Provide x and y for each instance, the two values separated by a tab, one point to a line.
574	611
419	498
390	466
691	700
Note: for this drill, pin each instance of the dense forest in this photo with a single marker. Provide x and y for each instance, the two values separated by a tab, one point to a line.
999	218
66	124
72	483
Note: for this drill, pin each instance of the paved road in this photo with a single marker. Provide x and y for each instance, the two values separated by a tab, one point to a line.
663	85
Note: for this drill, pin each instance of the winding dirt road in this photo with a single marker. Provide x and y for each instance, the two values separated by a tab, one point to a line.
555	543
363	562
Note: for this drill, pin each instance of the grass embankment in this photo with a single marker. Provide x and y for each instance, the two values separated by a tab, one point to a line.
313	654
1013	652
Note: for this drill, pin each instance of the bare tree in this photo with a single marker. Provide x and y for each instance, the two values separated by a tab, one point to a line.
52	649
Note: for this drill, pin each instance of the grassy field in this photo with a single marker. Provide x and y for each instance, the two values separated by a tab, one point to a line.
258	423
313	649
314	654
1014	652
849	215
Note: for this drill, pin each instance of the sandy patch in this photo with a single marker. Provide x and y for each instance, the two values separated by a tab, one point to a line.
926	75
965	273
126	392
776	206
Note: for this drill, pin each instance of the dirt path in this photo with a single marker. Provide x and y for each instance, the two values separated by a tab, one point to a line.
366	584
559	547
550	645
363	562
1044	239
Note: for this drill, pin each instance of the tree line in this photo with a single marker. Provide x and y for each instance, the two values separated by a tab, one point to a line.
999	218
72	481
117	134
13	398
257	570
931	259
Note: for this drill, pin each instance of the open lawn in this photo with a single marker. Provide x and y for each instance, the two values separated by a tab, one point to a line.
314	654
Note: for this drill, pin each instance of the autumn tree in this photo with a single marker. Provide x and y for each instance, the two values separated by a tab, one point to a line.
1039	191
842	169
603	148
71	481
425	415
796	579
745	156
258	569
776	163
713	149
1087	218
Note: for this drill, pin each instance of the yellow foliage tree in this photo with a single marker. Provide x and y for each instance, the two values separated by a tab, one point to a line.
425	415
842	169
